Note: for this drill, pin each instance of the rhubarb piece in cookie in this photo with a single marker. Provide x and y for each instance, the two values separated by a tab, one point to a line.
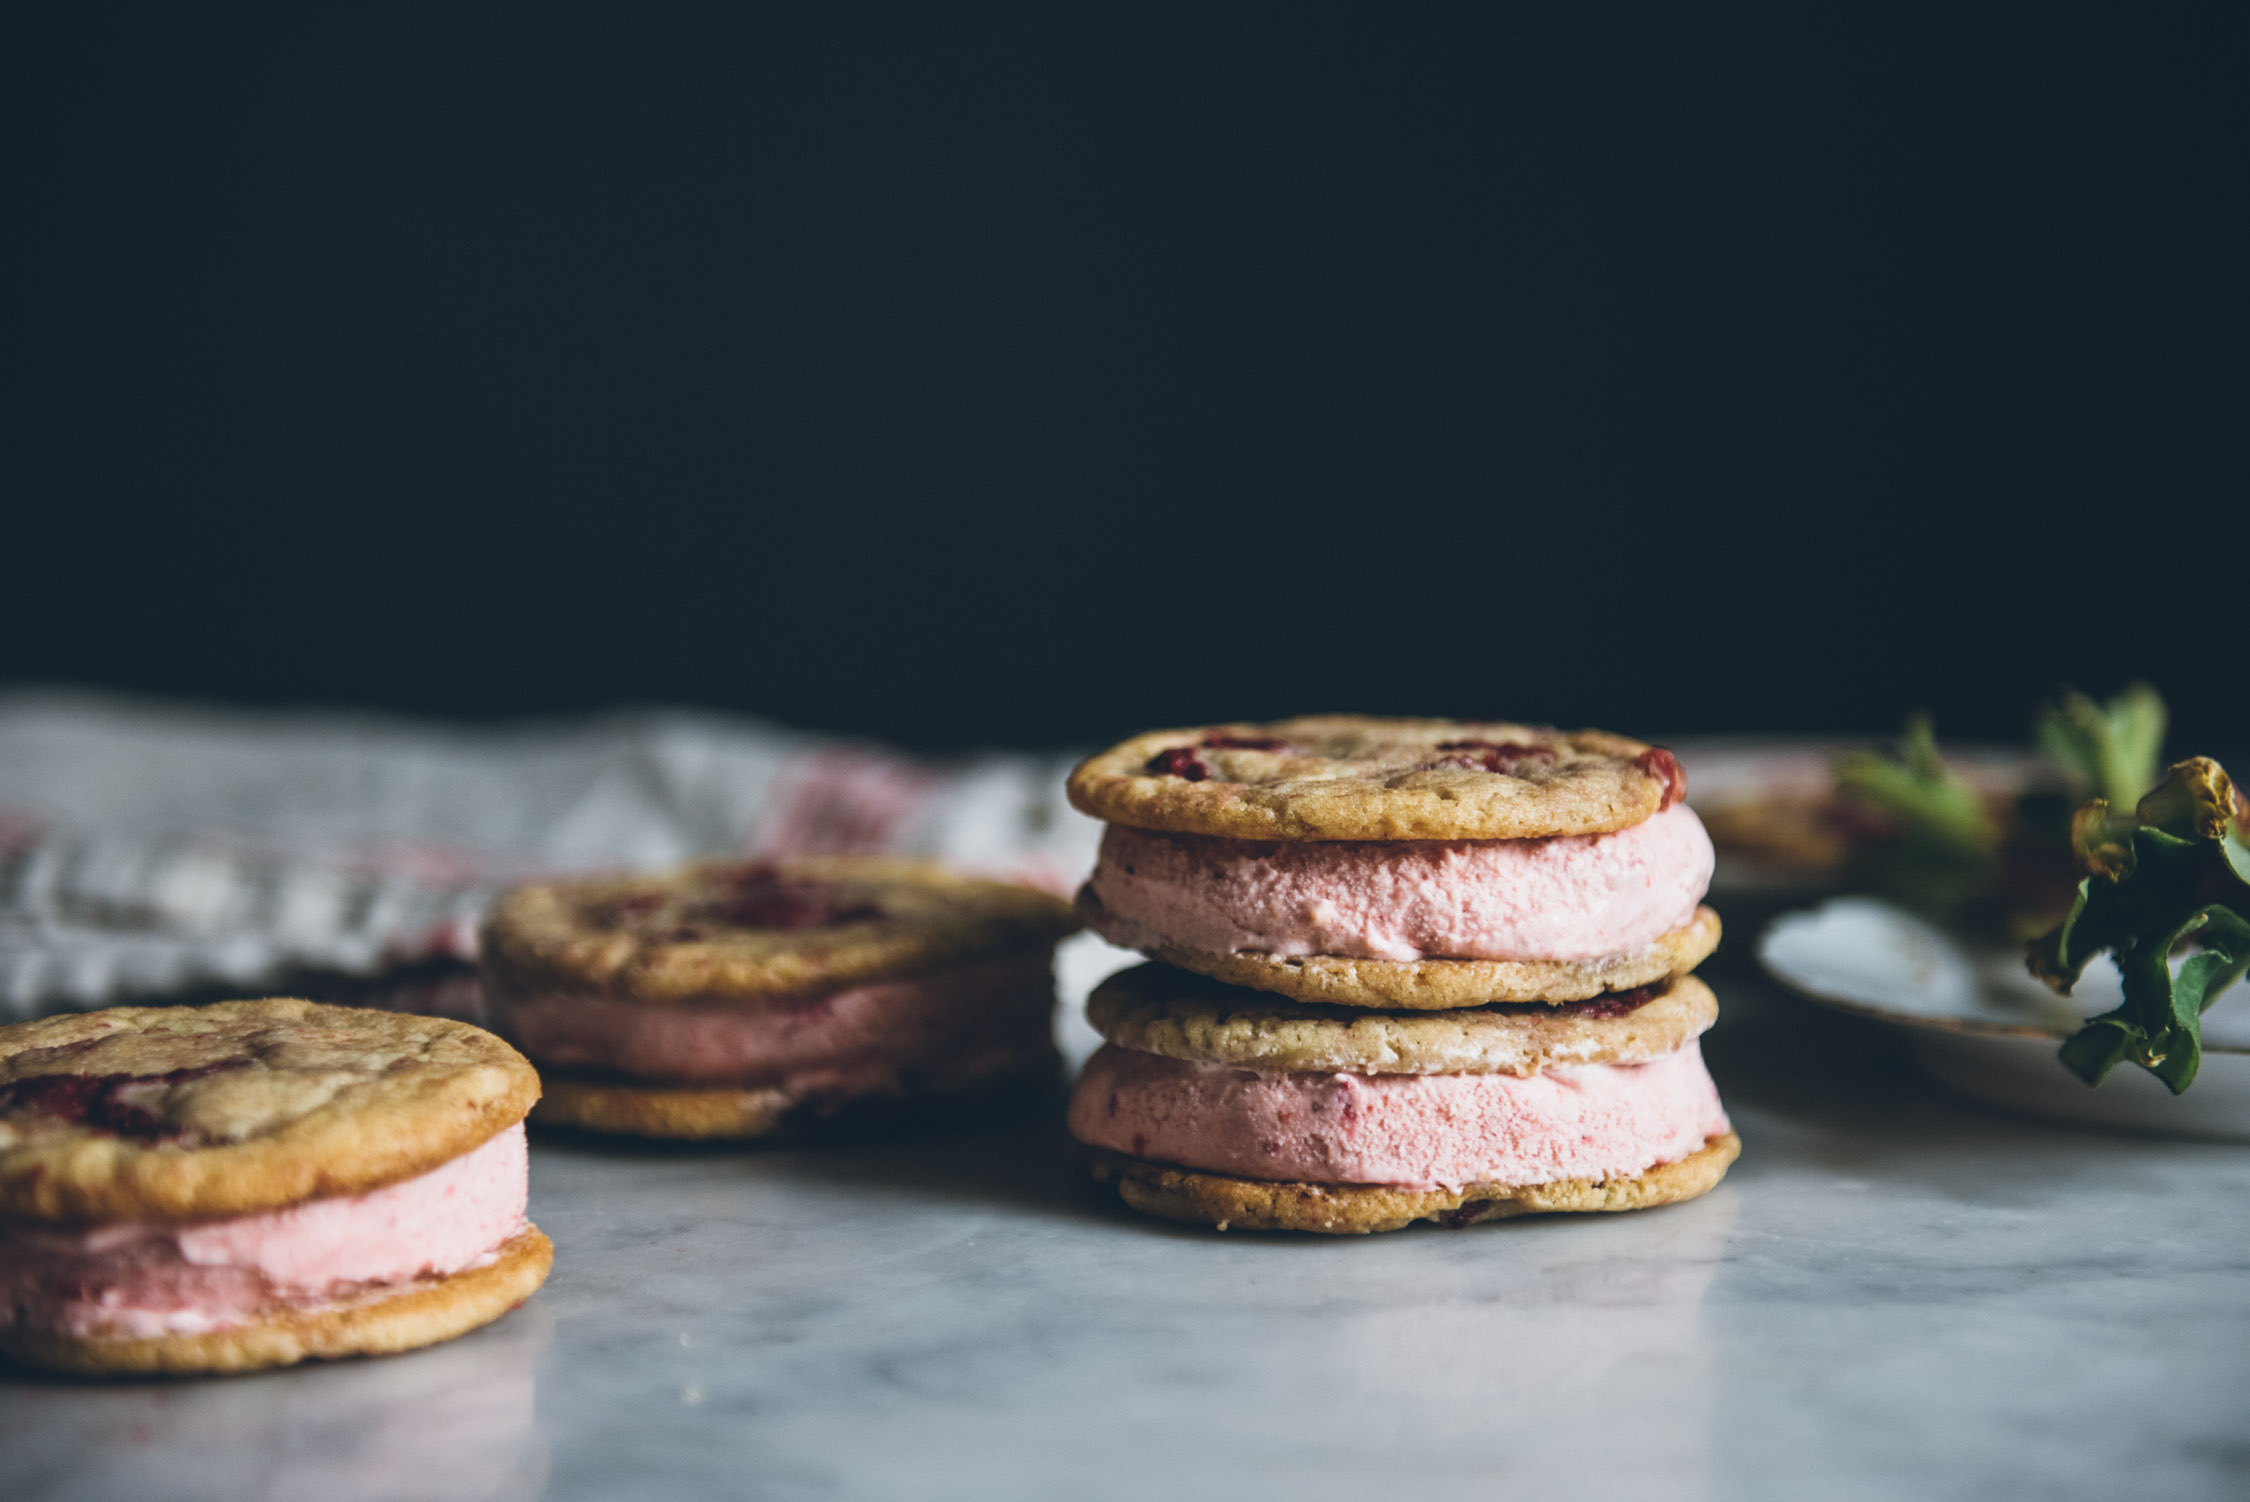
1422	985
251	1184
1350	777
753	999
1155	1009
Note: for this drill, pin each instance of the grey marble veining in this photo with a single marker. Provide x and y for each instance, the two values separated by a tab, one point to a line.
1892	1296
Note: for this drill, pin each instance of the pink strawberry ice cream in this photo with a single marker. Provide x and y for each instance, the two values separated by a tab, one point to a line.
853	1041
1412	1131
143	1279
1575	897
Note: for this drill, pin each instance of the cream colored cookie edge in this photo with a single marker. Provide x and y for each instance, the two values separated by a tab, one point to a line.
1203	1023
1226	1203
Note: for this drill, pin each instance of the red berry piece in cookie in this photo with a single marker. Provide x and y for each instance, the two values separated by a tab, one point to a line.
124	1105
1178	761
1662	764
1502	758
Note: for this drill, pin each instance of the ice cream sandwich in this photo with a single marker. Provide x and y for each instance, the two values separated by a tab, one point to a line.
749	999
1218	1105
245	1185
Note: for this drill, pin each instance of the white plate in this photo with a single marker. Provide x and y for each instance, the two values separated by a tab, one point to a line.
1982	1026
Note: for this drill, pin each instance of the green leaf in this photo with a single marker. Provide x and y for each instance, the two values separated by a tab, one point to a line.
2148	1001
2238	855
2097	1048
2220	963
2057	957
1945	849
1918	788
2110	751
2171	874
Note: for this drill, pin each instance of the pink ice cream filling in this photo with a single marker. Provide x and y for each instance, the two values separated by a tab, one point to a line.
150	1278
1575	897
861	1040
1596	1121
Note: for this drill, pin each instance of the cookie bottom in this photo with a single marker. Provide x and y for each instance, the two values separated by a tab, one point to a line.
1226	1203
422	1314
707	1113
1423	985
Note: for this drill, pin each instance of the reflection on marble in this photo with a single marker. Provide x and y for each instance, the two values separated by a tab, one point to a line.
1893	1296
932	1325
455	1422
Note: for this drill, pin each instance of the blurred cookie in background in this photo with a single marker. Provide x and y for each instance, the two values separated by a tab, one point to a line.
754	998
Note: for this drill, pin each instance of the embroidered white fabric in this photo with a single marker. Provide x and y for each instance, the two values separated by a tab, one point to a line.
151	848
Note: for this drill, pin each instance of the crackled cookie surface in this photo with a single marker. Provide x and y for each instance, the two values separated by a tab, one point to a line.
182	1113
757	929
1350	777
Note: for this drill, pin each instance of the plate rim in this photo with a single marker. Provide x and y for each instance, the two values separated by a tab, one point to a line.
1911	1020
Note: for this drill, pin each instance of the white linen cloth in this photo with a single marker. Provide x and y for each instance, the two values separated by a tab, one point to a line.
150	848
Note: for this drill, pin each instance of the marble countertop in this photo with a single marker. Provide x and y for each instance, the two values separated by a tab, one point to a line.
1892	1295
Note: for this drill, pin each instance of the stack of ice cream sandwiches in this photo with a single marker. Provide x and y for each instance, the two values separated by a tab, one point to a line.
1405	970
749	999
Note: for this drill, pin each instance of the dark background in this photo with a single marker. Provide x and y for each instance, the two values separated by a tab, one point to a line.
969	375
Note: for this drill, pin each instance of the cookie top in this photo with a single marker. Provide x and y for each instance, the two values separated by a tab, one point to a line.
757	930
194	1113
1156	1009
1350	777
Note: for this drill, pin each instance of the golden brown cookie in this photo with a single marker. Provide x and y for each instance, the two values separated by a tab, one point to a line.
1422	985
1226	1203
707	1113
1351	777
757	930
197	1113
392	1318
686	1113
1157	1009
